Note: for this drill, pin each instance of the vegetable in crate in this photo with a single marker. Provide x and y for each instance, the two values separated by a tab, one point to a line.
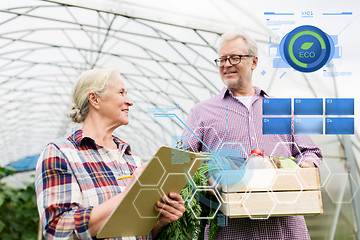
188	227
277	162
285	162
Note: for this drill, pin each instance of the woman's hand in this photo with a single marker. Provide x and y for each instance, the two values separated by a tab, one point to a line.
171	208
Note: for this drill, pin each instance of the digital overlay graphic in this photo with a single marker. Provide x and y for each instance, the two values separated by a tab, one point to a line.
306	48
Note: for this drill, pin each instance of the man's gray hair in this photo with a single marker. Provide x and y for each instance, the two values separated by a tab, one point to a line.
250	42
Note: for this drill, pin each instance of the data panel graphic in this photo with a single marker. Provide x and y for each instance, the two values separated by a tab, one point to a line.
308	126
339	126
308	106
276	125
339	106
277	106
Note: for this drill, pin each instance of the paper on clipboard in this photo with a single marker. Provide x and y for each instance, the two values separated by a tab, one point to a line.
166	172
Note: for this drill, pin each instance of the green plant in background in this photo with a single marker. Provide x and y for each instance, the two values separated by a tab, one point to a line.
19	218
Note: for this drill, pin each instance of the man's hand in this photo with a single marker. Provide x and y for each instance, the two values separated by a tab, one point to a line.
307	164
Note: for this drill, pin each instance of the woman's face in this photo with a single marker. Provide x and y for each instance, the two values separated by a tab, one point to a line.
114	106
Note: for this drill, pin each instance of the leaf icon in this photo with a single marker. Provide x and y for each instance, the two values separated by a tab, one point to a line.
306	45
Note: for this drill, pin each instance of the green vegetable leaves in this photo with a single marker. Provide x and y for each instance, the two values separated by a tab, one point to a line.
288	163
188	226
306	45
293	159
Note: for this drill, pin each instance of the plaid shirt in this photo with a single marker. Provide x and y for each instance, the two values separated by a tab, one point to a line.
72	176
224	122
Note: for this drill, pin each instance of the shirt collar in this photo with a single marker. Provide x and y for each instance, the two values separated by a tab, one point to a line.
79	137
258	92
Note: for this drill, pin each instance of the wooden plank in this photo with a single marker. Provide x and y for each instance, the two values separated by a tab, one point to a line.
261	204
310	178
276	180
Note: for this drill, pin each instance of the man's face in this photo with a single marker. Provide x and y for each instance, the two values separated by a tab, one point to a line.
236	76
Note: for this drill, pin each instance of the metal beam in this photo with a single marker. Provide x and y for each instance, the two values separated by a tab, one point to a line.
354	171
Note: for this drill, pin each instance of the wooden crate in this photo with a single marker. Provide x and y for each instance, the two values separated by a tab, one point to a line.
274	192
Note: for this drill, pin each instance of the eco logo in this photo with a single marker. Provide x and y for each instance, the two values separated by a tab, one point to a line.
306	48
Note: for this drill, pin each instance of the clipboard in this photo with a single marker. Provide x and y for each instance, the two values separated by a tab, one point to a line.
168	171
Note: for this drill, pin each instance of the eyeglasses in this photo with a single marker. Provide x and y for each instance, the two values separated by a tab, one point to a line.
233	60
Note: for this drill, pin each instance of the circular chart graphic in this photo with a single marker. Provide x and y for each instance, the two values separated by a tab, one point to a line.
306	48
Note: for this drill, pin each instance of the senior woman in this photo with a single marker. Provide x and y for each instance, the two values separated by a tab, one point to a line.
76	177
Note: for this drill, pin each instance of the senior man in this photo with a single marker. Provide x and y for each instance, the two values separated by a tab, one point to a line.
233	119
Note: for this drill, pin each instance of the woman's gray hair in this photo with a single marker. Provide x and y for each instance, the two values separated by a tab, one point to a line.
250	42
95	80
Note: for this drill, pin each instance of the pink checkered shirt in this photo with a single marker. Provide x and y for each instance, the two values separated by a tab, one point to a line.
223	121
